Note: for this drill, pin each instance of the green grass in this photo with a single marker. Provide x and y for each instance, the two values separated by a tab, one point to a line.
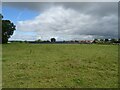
60	65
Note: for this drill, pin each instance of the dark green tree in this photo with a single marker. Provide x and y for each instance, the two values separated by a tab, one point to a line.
39	40
53	40
101	40
113	40
106	40
7	29
119	40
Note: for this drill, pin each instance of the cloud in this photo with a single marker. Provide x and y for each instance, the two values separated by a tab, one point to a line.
18	35
67	22
98	8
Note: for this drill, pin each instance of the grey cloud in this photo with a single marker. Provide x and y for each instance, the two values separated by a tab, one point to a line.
71	20
36	6
99	8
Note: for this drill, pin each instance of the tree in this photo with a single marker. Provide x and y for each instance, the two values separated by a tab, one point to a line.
7	29
1	28
53	40
39	40
113	40
106	40
101	40
119	40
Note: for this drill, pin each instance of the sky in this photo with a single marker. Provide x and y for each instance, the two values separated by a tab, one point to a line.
62	20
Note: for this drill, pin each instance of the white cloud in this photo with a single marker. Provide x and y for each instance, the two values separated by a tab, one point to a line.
67	24
18	35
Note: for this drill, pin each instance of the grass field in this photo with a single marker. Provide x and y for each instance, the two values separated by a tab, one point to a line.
60	65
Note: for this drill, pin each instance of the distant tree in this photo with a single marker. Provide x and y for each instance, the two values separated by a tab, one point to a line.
76	41
63	40
39	40
106	40
119	40
101	40
113	40
25	41
7	29
48	41
53	40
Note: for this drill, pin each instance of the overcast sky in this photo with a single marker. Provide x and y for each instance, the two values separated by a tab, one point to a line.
62	20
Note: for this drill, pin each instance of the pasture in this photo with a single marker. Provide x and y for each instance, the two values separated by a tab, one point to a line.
59	66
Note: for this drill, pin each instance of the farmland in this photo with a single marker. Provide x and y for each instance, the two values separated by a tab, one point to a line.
59	65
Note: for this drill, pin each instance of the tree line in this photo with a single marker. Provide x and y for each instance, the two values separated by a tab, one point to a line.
112	40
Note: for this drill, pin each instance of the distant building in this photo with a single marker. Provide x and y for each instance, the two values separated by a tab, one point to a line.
86	41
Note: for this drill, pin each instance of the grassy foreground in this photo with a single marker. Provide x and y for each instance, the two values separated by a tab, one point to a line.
63	65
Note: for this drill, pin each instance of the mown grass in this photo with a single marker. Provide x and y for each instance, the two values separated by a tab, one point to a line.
60	65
